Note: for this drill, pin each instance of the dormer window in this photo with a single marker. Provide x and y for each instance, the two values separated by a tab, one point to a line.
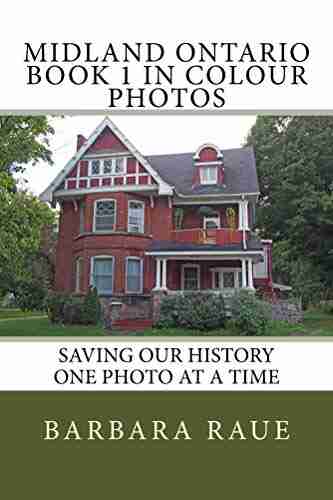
110	166
208	175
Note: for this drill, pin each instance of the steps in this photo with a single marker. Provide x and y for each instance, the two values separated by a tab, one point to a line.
132	324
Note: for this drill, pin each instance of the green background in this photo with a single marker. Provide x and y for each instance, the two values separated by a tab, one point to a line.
37	469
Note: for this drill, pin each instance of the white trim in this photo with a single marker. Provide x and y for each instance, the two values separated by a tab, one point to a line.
94	230
141	275
164	188
234	270
207	145
78	260
142	203
215	195
91	280
216	163
210	219
184	253
104	189
197	267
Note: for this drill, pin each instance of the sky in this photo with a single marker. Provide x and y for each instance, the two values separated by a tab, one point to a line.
150	134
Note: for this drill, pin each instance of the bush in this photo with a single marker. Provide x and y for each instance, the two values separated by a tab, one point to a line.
72	310
31	296
91	307
251	315
55	305
192	310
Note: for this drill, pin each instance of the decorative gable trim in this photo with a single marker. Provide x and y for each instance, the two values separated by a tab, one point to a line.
219	153
164	188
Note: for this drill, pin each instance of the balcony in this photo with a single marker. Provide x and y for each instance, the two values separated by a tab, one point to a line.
207	236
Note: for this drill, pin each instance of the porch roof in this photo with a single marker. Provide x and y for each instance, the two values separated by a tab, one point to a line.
172	248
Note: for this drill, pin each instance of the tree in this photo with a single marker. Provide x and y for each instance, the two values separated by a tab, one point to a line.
22	219
24	139
295	168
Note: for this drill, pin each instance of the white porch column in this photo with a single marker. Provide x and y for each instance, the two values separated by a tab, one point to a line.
250	269
243	273
240	215
164	274
158	274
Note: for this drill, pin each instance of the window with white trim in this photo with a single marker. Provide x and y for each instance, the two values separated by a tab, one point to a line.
190	277
212	222
109	166
78	274
105	215
102	274
134	275
227	278
136	216
208	175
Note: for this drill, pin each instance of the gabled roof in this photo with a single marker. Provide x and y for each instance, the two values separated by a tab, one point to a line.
164	187
240	174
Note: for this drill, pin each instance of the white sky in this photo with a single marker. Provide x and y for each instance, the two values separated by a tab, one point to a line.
150	135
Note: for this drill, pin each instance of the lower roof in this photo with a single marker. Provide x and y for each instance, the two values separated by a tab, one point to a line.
173	246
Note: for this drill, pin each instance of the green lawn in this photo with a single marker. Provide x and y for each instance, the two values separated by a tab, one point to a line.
315	324
17	313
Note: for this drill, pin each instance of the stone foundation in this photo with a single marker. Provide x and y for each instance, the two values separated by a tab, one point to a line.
285	310
126	308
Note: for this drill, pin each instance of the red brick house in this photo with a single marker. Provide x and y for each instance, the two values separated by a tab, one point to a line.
132	225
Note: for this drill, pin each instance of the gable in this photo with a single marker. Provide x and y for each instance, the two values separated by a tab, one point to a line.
106	143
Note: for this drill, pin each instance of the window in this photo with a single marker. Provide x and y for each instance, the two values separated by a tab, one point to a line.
105	215
111	166
190	277
134	275
212	222
119	166
78	274
102	274
227	278
95	167
136	212
208	175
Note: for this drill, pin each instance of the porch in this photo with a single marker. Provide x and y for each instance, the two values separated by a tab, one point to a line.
226	276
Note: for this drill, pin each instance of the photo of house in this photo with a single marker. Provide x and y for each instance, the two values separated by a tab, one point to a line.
134	226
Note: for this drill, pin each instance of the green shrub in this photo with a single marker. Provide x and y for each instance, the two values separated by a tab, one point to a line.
72	310
91	307
192	310
30	296
251	315
55	304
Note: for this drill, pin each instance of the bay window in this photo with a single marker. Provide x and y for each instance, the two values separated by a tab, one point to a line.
134	275
105	215
136	212
102	274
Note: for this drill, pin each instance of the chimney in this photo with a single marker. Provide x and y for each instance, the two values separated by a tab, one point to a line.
80	141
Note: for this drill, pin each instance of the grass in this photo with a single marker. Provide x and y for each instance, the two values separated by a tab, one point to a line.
17	313
35	327
316	323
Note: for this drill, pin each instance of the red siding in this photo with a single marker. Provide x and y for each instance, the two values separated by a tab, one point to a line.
208	154
107	140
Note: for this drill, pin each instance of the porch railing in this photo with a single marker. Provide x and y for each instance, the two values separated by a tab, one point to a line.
207	236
